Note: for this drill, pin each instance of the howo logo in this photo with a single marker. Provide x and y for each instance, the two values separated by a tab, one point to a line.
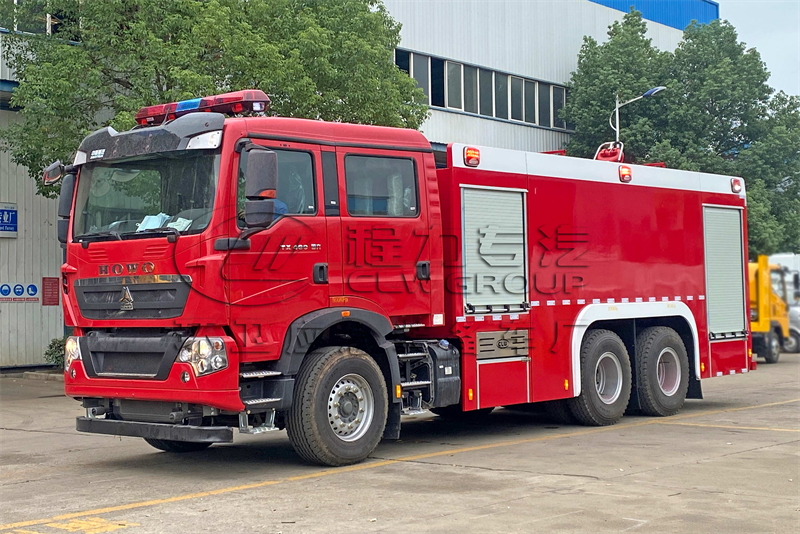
127	268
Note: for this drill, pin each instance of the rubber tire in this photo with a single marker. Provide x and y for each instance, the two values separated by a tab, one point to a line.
307	419
455	413
795	339
558	411
649	344
770	355
167	445
587	407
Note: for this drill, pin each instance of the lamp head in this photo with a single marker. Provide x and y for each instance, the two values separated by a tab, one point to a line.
653	91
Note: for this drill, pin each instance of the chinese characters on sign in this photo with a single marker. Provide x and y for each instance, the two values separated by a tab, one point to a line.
8	220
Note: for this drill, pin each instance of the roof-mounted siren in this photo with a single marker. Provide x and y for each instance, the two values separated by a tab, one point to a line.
611	151
229	103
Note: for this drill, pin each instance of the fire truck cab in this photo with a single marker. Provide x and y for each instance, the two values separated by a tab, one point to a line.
263	273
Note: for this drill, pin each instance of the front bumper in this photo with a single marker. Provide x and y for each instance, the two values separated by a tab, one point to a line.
204	434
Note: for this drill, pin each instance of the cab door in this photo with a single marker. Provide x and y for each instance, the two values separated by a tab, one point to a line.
281	276
384	224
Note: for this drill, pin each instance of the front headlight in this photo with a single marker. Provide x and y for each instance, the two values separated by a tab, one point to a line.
205	354
72	351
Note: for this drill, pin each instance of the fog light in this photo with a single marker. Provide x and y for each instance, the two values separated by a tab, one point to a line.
185	376
72	373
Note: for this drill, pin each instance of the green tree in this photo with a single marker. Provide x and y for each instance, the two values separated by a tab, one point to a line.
104	59
718	115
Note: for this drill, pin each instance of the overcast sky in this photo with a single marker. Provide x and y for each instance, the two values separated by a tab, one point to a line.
773	28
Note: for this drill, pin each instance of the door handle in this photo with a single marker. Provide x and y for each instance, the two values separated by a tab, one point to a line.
423	270
320	273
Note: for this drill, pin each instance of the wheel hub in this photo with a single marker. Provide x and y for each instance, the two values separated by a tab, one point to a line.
351	407
668	371
608	378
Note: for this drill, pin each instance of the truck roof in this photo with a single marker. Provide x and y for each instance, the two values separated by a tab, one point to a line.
334	133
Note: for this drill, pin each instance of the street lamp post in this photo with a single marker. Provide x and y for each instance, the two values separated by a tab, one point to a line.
615	113
612	151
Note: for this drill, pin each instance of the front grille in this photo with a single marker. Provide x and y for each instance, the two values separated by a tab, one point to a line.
128	355
133	297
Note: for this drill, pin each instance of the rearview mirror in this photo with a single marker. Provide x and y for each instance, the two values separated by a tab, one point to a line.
797	281
259	213
260	168
53	173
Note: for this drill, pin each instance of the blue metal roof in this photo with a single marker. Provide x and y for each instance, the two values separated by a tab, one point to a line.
675	13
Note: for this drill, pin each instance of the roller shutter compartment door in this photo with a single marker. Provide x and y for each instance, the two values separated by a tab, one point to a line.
495	272
725	296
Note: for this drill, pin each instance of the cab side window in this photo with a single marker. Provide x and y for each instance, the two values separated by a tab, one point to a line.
381	186
295	193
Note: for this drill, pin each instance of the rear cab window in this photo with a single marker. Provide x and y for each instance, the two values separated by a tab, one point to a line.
380	186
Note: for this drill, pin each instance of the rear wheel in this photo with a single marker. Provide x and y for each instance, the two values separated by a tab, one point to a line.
662	371
177	446
772	347
339	407
792	343
605	380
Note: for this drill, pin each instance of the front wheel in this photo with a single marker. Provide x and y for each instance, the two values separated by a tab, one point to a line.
339	407
605	380
792	343
167	445
772	347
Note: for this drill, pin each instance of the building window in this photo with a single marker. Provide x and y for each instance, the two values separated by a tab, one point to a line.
474	89
453	85
380	186
486	95
420	73
437	82
516	98
402	58
470	89
530	101
500	95
544	104
570	125
558	104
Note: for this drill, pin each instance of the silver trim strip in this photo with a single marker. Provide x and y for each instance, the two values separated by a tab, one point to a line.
131	280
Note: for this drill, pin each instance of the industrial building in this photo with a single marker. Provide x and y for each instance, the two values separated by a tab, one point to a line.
494	72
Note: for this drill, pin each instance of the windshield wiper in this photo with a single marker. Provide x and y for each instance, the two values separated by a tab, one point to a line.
85	239
174	233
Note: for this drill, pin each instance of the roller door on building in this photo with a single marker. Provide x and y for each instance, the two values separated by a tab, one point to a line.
494	248
724	246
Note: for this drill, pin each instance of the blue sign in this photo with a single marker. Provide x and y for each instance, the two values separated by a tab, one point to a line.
19	290
5	290
32	290
8	220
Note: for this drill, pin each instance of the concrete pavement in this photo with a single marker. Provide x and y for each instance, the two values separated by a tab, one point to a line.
728	463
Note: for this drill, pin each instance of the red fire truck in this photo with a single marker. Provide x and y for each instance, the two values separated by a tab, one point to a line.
263	273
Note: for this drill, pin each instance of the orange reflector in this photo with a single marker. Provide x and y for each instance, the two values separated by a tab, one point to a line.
566	385
750	352
736	185
625	174
398	391
469	393
702	367
345	314
472	156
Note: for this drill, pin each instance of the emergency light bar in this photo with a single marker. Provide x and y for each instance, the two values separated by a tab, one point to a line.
228	103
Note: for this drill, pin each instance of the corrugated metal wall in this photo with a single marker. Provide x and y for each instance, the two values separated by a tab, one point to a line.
447	127
26	328
532	39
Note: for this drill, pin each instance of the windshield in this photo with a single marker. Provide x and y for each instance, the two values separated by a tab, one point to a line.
173	192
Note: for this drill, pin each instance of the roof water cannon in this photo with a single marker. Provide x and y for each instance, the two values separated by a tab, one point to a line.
228	103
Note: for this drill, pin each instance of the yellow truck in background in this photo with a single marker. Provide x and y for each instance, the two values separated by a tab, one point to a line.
769	309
